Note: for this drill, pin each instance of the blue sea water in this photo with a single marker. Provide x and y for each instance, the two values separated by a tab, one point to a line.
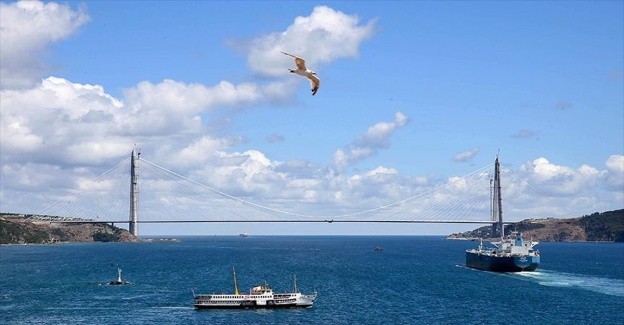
414	280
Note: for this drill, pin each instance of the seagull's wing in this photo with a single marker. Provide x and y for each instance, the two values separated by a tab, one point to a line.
300	62
294	56
315	83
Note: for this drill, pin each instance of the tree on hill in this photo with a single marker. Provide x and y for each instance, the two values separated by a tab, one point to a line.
606	226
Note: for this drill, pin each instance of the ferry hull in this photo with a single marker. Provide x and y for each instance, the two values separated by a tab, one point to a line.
245	306
493	263
250	302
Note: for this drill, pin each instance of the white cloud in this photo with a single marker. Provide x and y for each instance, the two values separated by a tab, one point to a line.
466	155
26	29
540	188
178	97
614	175
167	106
377	137
559	180
59	121
314	190
242	174
30	177
201	151
322	37
78	123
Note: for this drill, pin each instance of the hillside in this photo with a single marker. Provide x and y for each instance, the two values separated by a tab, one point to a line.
18	230
607	226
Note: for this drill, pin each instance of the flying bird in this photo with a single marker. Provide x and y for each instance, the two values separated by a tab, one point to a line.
315	82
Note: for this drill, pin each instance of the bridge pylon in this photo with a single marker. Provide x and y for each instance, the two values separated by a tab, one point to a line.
134	192
498	228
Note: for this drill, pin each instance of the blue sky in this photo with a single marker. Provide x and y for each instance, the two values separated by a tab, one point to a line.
418	91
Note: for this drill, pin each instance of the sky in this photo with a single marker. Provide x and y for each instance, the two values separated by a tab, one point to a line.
413	94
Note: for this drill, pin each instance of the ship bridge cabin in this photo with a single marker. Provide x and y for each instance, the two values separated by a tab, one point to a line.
259	290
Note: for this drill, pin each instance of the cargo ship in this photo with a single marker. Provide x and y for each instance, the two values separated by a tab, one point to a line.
261	296
510	254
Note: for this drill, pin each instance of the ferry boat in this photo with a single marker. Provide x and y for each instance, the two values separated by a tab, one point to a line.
258	297
511	254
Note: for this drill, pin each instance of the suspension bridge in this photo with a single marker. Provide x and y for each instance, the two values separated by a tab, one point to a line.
154	194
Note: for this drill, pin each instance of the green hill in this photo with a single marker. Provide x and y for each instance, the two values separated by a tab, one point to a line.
14	229
606	226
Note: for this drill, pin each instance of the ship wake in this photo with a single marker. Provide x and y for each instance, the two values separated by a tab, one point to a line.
613	287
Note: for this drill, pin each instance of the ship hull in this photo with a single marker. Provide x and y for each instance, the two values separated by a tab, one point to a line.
522	263
240	302
251	305
286	306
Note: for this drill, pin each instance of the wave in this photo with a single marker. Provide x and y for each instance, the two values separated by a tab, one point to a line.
140	296
608	286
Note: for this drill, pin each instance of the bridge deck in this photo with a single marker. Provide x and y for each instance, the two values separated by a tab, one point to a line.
273	221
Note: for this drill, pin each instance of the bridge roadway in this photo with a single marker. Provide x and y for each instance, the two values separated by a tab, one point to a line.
272	221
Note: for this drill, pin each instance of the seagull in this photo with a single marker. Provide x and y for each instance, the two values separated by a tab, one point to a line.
315	82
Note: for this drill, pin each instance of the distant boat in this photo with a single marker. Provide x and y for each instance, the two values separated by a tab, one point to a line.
258	297
118	281
510	254
378	249
244	235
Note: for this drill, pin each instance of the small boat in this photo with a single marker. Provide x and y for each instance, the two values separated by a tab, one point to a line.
258	297
118	281
378	249
244	235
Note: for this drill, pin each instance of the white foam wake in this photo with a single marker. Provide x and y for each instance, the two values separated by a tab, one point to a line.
614	287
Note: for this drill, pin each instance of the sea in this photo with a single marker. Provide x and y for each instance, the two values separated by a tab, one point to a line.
413	280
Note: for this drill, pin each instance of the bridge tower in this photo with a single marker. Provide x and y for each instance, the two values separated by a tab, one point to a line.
134	192
497	205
